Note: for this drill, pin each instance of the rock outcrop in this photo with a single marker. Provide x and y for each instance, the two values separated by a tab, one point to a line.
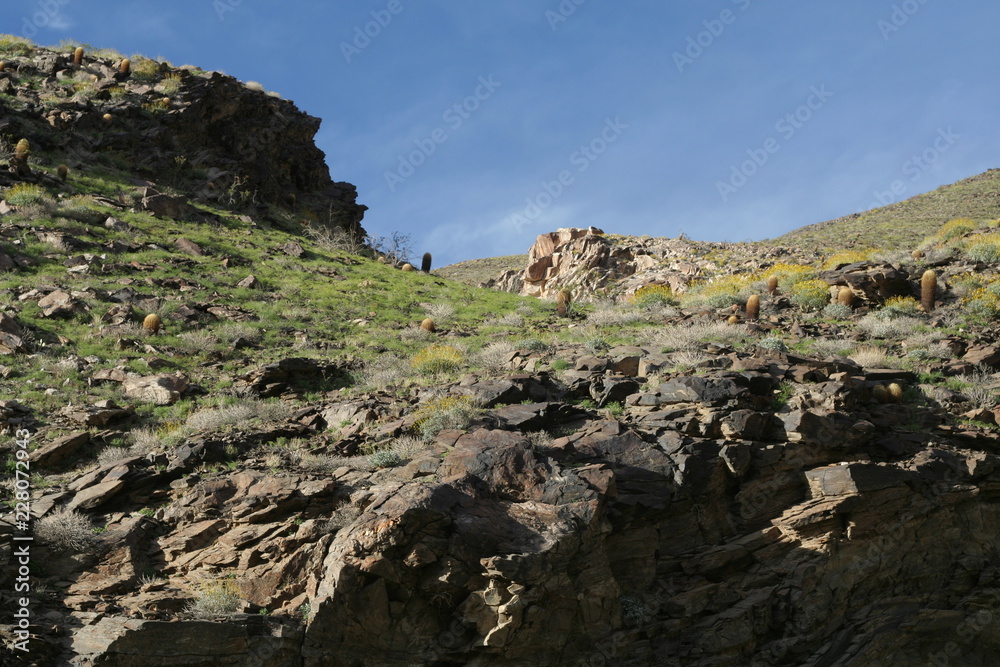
707	525
591	263
227	142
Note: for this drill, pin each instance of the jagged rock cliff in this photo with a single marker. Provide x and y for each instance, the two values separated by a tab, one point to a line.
201	132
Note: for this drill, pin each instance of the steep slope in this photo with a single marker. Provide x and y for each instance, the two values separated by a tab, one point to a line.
904	224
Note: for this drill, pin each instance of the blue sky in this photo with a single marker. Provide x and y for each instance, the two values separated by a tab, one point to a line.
475	126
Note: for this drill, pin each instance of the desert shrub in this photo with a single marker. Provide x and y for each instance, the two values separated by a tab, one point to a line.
385	458
406	447
214	599
837	311
65	531
847	257
965	284
983	303
25	194
437	359
596	345
810	294
560	365
899	306
496	357
790	274
112	455
611	314
722	291
144	440
507	320
230	332
979	391
955	228
650	297
215	418
832	347
14	45
881	327
439	312
540	442
443	413
170	84
681	337
384	371
869	356
192	342
689	358
532	345
773	343
985	249
145	69
417	333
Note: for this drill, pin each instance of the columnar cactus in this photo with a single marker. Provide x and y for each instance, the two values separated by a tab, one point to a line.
428	325
425	265
22	150
928	290
563	300
753	307
845	297
62	171
125	67
78	56
772	285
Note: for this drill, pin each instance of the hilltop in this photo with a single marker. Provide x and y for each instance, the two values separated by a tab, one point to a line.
252	438
904	224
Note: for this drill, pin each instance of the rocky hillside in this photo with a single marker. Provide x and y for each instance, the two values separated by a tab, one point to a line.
243	439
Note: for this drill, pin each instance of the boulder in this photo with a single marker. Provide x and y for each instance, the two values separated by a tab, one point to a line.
162	389
12	335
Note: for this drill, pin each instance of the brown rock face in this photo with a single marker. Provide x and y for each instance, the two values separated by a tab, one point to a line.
252	146
265	142
587	260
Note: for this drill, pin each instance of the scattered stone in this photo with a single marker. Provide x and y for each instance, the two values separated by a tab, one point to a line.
58	304
250	282
60	449
190	247
163	389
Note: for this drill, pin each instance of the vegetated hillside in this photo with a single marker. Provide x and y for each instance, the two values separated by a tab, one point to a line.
904	224
251	442
479	271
